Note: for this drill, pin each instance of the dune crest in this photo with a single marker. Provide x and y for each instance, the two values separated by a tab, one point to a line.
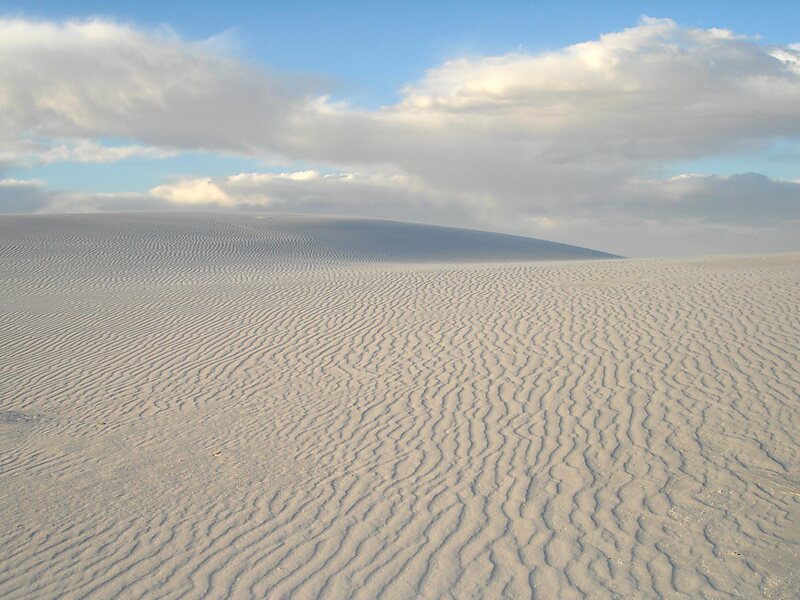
286	238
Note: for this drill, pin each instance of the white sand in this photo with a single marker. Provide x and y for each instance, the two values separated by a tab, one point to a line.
243	407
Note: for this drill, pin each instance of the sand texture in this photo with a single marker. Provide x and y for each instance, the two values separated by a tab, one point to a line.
233	406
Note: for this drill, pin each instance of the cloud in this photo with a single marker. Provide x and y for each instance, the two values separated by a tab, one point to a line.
706	207
21	196
658	84
576	126
706	214
96	78
373	194
32	196
747	199
653	91
193	191
567	144
35	153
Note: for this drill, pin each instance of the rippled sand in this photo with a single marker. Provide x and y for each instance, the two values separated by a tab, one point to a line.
243	407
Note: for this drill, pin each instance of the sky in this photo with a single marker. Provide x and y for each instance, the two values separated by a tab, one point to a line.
643	129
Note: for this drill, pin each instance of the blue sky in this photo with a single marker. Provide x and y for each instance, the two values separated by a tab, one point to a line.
369	60
371	49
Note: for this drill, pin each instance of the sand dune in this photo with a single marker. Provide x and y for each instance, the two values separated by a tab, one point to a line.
228	406
219	239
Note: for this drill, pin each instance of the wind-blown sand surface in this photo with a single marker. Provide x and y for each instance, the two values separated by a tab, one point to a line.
267	407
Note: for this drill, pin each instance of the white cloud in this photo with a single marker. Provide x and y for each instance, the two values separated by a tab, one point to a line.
375	194
40	152
655	91
544	223
87	79
193	191
565	143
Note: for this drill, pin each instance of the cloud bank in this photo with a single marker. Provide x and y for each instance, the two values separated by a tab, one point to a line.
570	144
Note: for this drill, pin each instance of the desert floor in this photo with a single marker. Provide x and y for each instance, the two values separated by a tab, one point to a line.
238	407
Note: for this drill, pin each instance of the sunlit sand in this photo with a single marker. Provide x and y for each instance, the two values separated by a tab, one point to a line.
239	406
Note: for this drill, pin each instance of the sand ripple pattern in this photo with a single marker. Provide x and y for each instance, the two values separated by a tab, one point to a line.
213	408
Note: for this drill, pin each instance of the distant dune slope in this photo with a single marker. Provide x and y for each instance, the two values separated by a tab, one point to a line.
281	237
228	407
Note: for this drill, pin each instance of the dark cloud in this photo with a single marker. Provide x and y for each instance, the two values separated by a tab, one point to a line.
22	196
